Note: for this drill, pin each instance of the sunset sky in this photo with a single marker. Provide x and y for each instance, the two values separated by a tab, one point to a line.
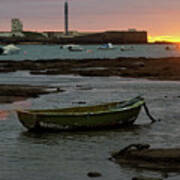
161	18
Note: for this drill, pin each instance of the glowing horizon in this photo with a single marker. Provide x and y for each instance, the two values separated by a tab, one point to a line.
167	38
151	39
159	18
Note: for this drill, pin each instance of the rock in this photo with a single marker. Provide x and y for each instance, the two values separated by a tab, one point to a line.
141	156
140	64
79	102
11	93
146	178
148	68
94	174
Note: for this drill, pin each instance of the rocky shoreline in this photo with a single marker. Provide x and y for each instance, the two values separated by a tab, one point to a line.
156	69
142	156
12	93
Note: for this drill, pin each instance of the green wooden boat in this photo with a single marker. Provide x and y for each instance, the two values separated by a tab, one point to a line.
108	115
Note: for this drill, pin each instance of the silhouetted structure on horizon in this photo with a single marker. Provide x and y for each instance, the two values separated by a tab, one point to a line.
66	17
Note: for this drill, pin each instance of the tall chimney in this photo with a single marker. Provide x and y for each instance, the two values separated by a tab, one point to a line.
66	17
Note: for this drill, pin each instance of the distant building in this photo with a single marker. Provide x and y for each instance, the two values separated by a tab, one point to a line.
132	30
16	27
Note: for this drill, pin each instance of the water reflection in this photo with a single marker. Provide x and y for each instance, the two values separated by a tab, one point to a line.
4	114
51	138
22	104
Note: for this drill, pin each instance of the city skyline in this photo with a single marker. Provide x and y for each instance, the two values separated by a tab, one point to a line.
160	18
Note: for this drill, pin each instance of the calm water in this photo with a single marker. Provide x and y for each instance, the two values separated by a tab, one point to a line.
34	52
70	156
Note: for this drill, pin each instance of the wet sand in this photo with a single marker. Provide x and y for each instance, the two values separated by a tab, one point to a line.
154	69
87	151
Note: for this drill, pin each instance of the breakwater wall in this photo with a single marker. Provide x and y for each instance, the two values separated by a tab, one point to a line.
115	37
123	37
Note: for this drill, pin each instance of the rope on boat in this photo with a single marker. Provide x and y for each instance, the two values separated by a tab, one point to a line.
153	120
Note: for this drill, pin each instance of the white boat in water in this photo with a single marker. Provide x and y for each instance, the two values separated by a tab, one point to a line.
106	46
10	49
128	48
72	47
66	46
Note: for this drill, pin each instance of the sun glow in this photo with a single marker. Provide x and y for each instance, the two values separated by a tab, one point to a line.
173	39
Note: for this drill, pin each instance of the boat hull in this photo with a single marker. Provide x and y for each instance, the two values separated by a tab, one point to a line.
56	120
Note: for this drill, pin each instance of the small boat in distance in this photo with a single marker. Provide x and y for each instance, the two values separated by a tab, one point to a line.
170	48
106	46
75	48
10	49
72	47
109	115
66	46
123	48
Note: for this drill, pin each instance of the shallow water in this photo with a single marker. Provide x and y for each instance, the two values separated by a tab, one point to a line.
71	155
34	52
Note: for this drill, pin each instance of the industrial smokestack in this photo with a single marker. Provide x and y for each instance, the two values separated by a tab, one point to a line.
66	17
